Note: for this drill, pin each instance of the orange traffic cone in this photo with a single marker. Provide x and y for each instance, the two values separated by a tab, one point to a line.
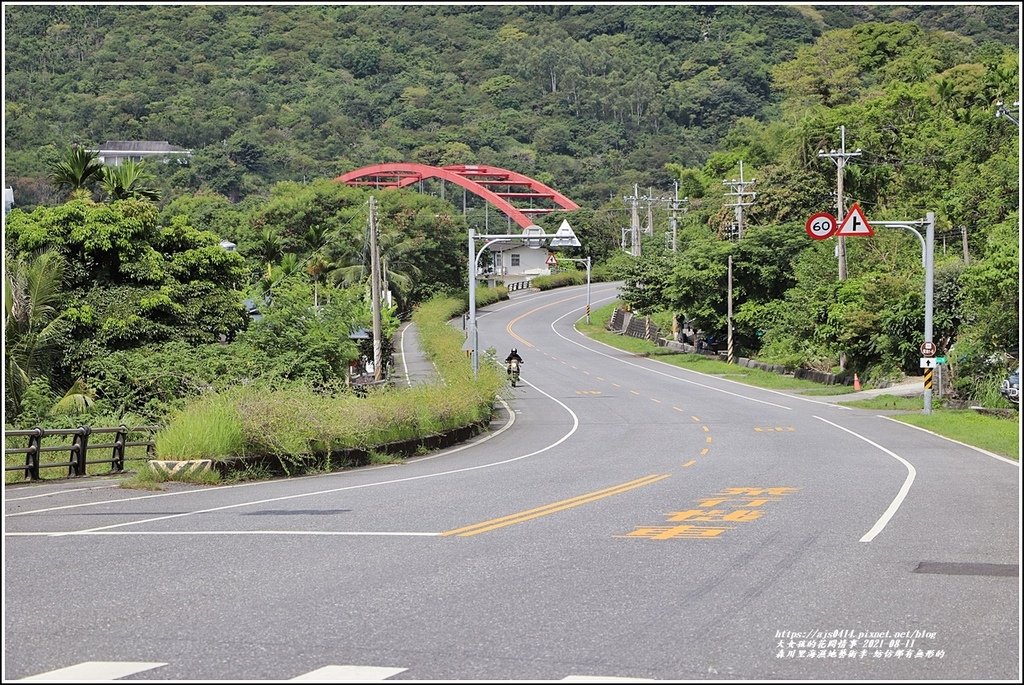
856	383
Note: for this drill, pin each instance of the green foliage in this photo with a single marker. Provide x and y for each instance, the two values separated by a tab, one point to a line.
559	280
128	180
296	423
208	428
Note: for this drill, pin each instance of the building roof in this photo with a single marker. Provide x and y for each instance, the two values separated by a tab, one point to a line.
140	146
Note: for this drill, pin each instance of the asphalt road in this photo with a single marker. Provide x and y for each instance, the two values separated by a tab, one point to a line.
621	519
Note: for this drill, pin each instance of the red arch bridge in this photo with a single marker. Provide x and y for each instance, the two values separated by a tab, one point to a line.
500	187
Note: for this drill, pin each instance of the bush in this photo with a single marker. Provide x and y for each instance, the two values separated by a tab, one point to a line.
559	280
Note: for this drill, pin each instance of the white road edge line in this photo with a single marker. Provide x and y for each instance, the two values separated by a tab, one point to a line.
464	446
660	373
60	492
976	449
405	364
575	426
900	496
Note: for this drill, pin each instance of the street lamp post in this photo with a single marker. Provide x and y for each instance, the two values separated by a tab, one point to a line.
564	237
928	260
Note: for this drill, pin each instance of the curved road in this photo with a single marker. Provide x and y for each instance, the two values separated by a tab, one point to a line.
622	519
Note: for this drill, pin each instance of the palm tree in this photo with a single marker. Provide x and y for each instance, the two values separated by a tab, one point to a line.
78	168
397	274
30	327
128	180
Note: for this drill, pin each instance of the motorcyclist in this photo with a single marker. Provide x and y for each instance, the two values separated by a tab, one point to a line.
514	354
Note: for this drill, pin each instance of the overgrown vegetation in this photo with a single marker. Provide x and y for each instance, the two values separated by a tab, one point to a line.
302	427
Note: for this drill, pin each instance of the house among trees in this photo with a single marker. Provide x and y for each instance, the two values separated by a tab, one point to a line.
516	259
114	152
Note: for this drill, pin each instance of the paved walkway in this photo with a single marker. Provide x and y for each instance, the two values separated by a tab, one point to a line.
411	363
908	388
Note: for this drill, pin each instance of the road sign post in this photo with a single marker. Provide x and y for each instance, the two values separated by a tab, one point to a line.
856	224
820	226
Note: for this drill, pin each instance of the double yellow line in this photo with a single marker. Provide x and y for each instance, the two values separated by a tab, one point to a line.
508	327
512	519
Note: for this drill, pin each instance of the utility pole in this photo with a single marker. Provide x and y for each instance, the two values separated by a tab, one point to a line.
839	158
634	221
675	208
738	188
375	289
731	358
649	230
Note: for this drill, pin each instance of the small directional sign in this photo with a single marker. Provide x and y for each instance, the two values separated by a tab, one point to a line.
855	223
820	226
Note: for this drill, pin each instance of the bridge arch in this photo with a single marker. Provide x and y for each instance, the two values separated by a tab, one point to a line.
478	179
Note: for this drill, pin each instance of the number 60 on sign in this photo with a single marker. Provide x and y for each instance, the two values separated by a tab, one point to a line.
821	225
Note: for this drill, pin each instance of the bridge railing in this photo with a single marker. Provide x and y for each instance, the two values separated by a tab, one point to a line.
78	449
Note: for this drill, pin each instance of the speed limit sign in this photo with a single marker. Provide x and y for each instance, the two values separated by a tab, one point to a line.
821	225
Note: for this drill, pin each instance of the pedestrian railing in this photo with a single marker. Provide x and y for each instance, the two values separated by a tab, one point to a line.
79	448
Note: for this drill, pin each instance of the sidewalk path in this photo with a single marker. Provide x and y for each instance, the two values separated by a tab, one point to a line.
908	388
411	363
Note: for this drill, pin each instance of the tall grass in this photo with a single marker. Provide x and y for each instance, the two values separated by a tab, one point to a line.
296	424
208	428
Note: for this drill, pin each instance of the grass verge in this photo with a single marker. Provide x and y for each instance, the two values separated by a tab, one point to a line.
992	433
699	362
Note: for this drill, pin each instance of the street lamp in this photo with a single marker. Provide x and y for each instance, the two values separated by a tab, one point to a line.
1002	111
563	237
928	260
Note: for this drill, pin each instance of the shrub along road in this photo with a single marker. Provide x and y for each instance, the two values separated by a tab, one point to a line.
627	518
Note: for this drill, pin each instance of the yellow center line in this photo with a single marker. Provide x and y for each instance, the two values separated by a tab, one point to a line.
508	327
512	519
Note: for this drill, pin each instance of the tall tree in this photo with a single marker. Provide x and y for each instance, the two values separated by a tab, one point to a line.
77	168
128	180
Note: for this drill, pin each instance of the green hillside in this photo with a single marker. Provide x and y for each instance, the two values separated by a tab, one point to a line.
139	308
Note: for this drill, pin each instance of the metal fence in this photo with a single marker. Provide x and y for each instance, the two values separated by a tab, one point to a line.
517	285
78	449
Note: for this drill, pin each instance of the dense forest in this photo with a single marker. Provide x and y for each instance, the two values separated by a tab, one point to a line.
274	101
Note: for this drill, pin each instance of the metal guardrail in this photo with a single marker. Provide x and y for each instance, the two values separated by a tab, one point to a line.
518	285
78	449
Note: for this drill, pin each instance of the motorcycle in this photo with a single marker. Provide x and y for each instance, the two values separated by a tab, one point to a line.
513	372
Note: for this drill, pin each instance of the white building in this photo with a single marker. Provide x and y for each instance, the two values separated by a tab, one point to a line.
115	152
513	261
